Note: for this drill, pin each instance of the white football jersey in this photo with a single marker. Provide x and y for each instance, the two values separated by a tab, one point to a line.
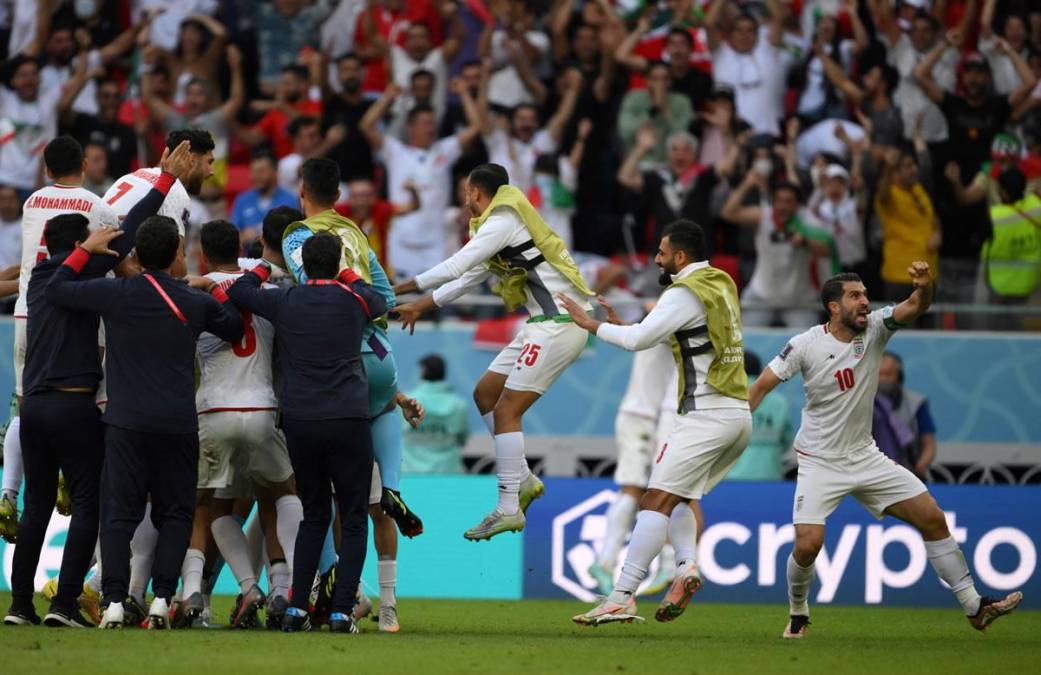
42	205
840	380
652	372
132	188
236	376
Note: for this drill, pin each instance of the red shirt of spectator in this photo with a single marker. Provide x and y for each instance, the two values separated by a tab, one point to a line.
293	91
388	20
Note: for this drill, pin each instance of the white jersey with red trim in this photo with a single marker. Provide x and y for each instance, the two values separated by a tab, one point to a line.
651	373
42	205
237	376
840	380
132	188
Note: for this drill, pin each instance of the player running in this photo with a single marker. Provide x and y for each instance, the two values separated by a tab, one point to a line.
64	162
699	316
508	239
837	456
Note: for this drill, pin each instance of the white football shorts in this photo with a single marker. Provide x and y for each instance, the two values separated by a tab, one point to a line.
700	450
539	354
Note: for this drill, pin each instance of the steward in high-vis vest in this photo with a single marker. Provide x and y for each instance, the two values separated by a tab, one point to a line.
1013	253
533	269
318	194
699	314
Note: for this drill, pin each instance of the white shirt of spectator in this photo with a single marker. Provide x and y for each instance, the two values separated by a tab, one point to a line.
821	138
843	221
910	98
517	156
813	94
166	27
42	205
1003	72
836	420
650	372
759	79
86	102
404	66
782	271
10	243
505	87
25	128
289	172
413	243
132	188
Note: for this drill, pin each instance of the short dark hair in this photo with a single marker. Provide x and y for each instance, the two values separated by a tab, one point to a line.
263	154
658	64
349	56
753	366
833	288
275	223
321	254
1014	183
746	16
201	141
432	368
157	242
418	110
521	106
63	231
684	34
299	123
297	70
63	156
899	362
488	178
783	185
890	77
321	180
687	236
421	72
220	242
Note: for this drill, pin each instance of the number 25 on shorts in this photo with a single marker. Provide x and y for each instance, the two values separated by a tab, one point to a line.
529	354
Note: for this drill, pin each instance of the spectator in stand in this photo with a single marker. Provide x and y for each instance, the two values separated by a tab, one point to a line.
419	54
413	244
693	83
682	189
436	446
200	46
382	24
838	203
772	434
298	93
61	49
656	108
1012	255
454	119
420	93
252	205
118	140
10	229
872	99
285	30
96	177
754	62
344	141
29	120
912	410
819	98
514	144
513	46
201	111
910	230
307	141
1007	77
785	243
1006	151
374	215
154	78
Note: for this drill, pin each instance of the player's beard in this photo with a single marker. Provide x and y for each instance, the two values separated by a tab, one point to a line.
666	275
849	320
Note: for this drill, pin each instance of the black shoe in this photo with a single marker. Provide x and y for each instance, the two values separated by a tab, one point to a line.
323	602
342	623
134	613
187	610
59	617
21	616
296	621
394	506
276	610
245	613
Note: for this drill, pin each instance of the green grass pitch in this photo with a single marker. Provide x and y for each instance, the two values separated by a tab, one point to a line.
536	636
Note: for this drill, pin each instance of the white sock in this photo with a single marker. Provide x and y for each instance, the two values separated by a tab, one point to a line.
191	572
511	469
142	555
799	581
290	513
949	562
94	582
278	579
620	517
683	533
255	537
13	470
646	542
234	547
387	573
489	421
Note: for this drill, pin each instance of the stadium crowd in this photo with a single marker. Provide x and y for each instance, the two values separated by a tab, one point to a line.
805	136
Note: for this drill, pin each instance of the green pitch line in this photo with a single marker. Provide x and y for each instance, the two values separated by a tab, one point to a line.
533	637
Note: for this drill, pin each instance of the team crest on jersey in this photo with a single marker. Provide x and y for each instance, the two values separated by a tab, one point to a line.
858	347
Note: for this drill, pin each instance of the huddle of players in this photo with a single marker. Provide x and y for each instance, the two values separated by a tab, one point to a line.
698	316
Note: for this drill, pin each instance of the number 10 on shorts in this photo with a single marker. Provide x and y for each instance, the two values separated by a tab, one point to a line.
529	354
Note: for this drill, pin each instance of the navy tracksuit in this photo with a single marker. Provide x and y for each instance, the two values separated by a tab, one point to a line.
61	424
152	322
324	406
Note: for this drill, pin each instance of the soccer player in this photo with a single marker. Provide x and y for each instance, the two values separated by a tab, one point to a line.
64	162
509	239
236	405
324	410
699	314
839	363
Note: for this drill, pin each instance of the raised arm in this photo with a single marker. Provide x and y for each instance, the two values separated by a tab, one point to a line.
559	18
712	18
624	53
778	14
886	20
629	174
237	95
837	76
987	19
923	72
734	209
1022	69
558	123
369	125
522	64
908	311
72	88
